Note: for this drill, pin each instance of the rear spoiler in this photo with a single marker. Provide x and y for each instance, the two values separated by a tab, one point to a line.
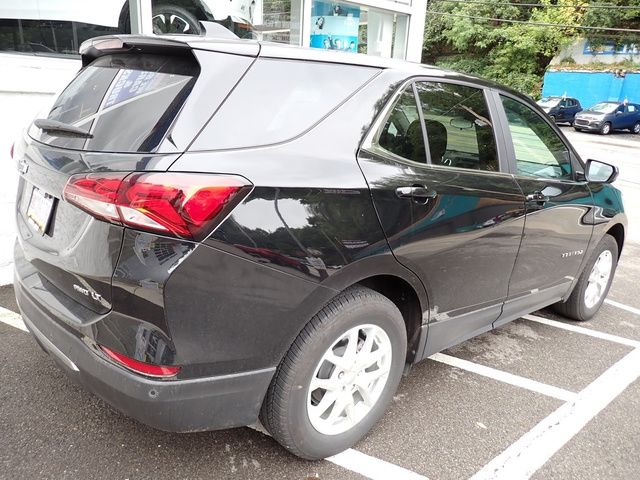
215	38
110	44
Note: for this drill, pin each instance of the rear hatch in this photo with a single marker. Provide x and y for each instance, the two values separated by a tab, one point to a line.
134	107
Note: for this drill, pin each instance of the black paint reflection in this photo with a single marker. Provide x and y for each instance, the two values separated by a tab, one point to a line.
309	232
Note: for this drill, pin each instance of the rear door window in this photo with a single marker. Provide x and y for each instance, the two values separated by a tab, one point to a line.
126	102
402	134
459	126
278	100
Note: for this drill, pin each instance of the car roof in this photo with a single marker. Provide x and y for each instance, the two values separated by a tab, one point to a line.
280	50
256	48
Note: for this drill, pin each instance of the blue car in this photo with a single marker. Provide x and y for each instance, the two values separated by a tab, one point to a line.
561	109
604	117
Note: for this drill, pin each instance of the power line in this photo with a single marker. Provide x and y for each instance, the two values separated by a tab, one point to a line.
541	5
537	24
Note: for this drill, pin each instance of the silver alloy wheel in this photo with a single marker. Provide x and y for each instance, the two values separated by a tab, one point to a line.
606	128
636	128
170	23
349	379
598	279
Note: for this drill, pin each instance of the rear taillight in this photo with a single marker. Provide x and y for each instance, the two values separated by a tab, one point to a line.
184	205
148	369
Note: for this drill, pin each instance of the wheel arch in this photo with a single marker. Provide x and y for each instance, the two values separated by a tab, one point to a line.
404	296
385	275
617	232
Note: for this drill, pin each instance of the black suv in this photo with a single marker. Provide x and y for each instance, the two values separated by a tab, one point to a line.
213	232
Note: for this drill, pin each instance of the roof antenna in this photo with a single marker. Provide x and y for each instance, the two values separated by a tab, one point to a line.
215	30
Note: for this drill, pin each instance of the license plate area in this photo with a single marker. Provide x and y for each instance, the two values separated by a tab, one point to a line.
39	210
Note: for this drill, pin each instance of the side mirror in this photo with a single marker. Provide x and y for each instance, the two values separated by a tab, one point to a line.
461	123
618	112
600	172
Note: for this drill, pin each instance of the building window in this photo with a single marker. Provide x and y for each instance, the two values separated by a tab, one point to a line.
357	28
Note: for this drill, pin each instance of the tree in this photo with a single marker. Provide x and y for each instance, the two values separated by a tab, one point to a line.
515	54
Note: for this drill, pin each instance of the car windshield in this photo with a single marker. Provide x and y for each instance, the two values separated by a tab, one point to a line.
603	107
548	102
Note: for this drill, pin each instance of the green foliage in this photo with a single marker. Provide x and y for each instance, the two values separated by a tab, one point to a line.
615	18
514	54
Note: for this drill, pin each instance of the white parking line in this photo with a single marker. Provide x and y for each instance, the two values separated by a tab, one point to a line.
583	331
372	467
523	458
12	318
365	465
518	381
622	306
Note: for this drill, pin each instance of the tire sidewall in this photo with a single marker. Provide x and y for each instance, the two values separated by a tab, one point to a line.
304	435
607	243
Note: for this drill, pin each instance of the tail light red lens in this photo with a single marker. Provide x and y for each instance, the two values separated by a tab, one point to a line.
178	204
148	369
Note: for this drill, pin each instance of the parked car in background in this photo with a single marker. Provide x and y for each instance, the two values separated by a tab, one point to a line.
604	117
216	231
561	109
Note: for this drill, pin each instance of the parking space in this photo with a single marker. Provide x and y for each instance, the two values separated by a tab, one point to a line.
541	397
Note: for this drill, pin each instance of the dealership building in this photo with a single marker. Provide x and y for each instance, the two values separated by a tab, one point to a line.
39	39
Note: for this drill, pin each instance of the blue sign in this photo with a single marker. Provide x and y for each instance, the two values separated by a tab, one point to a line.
334	26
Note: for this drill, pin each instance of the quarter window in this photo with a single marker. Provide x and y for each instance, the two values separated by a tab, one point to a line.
539	150
402	133
458	125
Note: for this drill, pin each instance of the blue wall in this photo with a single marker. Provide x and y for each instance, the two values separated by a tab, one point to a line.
592	87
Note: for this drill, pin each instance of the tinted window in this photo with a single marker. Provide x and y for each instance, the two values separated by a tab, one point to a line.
127	102
278	100
50	37
459	127
539	150
402	133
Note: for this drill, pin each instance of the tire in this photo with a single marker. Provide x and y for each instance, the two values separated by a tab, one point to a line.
636	128
605	129
577	129
553	118
286	411
578	306
173	19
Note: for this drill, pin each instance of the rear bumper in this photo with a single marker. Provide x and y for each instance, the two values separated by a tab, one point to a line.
176	405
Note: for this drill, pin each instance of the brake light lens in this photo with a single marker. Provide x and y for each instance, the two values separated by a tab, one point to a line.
144	368
184	205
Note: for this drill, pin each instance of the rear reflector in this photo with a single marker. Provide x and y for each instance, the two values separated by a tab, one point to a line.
149	369
184	205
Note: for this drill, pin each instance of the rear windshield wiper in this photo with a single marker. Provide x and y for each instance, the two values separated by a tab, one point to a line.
53	127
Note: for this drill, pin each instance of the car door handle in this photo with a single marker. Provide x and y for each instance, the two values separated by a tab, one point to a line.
537	197
416	191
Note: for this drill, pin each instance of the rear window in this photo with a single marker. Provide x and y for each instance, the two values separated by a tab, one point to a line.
278	100
127	102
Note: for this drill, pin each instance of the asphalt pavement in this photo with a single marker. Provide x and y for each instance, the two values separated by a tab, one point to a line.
537	395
